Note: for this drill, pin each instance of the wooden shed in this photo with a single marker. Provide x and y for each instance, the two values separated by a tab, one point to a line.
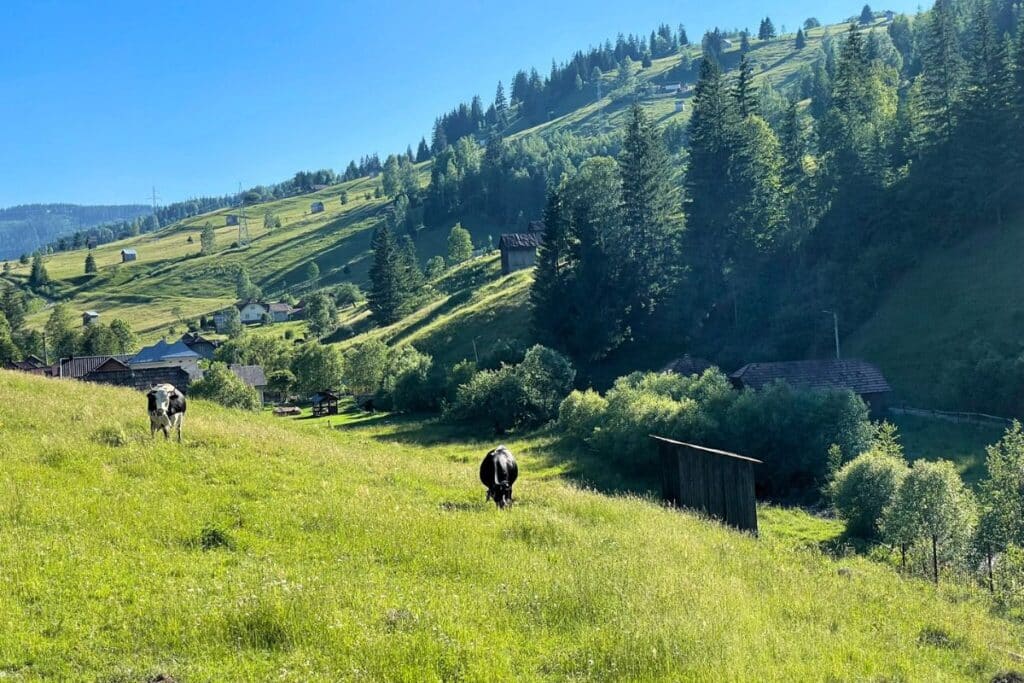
324	403
717	483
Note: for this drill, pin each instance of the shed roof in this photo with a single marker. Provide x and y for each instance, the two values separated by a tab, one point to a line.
162	351
521	240
714	451
856	375
321	396
128	252
281	307
78	367
687	365
252	375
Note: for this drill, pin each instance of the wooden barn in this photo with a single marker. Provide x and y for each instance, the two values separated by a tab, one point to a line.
858	376
128	255
519	249
316	207
718	483
231	219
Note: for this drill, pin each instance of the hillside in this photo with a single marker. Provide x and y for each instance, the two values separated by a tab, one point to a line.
956	294
171	274
23	229
266	548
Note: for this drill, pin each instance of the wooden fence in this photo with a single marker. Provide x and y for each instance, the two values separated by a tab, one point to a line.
952	416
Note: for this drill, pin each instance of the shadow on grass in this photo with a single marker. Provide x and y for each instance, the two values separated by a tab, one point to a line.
543	450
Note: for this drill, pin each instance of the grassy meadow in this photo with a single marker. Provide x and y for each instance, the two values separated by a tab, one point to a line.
361	548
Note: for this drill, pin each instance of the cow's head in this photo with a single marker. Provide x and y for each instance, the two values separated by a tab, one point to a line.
502	494
160	399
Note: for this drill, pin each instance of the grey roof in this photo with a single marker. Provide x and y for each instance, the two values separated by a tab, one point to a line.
92	314
282	307
250	374
521	240
687	365
858	376
162	351
130	252
77	367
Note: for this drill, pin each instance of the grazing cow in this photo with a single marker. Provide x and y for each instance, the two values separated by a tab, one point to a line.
166	410
498	472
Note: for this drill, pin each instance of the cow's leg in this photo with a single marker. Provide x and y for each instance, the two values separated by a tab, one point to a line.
152	429
181	419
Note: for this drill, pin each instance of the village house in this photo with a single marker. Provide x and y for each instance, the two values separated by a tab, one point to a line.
163	354
89	317
281	312
519	250
252	375
858	376
252	312
116	372
77	367
231	219
200	344
316	207
128	255
31	364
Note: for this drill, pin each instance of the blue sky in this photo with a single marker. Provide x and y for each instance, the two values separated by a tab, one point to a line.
102	102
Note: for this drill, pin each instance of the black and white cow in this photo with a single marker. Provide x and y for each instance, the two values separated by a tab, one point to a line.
498	472
166	410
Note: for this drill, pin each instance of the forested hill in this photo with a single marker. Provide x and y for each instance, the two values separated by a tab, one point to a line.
27	227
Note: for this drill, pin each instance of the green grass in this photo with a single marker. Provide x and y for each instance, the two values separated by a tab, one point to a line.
266	548
932	439
954	295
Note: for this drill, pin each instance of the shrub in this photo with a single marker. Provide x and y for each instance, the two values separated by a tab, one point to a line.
364	367
864	487
524	395
791	431
348	294
503	352
419	385
581	413
223	386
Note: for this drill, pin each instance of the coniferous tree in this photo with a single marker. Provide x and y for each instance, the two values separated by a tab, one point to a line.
552	277
866	15
744	43
8	349
38	276
409	263
422	151
684	41
90	264
386	294
501	106
801	40
942	71
743	89
651	216
767	29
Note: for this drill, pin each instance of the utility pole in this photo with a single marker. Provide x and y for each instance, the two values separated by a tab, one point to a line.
835	329
156	221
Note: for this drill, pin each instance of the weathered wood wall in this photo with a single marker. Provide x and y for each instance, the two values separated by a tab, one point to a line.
717	483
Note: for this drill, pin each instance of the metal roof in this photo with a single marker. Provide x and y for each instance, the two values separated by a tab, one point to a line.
252	375
727	454
78	367
521	240
162	351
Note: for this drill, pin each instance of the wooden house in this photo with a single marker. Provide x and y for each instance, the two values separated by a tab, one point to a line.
200	344
717	483
252	375
519	249
128	255
316	207
89	317
858	376
231	219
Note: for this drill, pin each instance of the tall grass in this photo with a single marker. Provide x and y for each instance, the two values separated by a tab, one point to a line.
265	549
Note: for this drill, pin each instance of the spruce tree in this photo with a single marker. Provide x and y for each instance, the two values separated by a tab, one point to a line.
409	263
801	40
651	214
90	264
501	106
941	75
552	276
38	276
422	151
743	89
866	15
386	289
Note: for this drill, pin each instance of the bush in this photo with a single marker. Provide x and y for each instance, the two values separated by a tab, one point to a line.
221	385
791	431
348	294
581	413
417	384
364	367
864	487
525	395
503	352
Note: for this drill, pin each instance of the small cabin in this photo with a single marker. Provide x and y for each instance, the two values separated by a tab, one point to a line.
231	219
324	403
252	312
519	250
848	374
679	105
316	207
128	255
89	317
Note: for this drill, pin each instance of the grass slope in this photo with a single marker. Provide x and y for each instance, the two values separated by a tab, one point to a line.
954	295
267	549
